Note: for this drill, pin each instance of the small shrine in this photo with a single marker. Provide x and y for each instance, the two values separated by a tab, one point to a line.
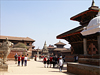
45	50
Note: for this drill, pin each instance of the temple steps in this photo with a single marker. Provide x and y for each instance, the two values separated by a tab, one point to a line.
83	69
90	61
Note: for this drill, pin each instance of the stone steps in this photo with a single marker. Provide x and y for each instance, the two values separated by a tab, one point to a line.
83	69
90	61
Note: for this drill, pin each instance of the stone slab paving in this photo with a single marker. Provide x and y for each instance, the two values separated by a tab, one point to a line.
33	68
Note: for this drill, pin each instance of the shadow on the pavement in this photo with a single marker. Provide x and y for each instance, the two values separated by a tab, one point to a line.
56	67
63	72
17	66
64	68
39	61
68	73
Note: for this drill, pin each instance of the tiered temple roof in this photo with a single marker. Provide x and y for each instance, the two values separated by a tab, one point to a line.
60	46
60	43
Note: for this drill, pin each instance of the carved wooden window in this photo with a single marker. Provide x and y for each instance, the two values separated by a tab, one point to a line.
92	49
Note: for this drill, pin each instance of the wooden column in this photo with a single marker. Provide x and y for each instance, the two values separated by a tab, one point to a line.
98	38
85	46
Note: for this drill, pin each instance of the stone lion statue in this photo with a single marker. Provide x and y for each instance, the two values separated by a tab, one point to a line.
5	50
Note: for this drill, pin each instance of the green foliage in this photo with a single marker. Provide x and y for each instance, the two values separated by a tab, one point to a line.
20	45
24	53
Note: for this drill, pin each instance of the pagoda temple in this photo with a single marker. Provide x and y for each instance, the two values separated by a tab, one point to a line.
59	48
74	37
85	41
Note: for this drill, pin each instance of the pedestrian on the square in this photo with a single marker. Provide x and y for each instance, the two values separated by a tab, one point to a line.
48	61
60	64
51	58
63	58
56	59
22	59
16	58
25	59
45	60
53	61
76	58
35	58
19	60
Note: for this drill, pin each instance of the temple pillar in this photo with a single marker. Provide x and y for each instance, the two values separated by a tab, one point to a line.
98	38
85	46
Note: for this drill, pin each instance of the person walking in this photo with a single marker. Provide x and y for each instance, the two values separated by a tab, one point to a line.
19	60
56	59
35	58
25	59
51	58
53	62
48	61
16	58
60	64
22	59
45	60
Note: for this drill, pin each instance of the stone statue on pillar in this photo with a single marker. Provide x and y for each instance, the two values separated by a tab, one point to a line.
4	52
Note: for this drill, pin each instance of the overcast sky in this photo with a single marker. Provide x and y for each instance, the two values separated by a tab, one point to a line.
41	20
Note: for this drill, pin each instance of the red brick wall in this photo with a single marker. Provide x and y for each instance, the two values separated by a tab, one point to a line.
12	54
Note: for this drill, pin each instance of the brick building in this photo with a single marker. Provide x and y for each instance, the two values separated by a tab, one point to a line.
15	40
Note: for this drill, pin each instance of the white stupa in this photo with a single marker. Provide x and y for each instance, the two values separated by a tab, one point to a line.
93	26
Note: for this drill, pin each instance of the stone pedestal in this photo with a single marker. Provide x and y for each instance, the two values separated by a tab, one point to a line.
4	67
86	65
83	69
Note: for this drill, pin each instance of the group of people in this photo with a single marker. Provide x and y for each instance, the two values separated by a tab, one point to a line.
56	61
23	60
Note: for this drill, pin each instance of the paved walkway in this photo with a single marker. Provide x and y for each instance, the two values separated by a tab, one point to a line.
33	68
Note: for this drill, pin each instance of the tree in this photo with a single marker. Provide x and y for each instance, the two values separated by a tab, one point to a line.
20	45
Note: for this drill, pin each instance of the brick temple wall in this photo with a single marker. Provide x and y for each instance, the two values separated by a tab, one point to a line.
18	51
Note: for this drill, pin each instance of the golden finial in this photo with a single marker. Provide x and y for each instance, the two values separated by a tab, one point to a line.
93	4
99	10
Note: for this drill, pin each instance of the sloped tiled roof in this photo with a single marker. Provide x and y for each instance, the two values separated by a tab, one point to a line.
17	38
66	51
60	49
60	43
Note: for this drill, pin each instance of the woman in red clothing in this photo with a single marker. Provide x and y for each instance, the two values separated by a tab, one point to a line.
51	58
22	59
19	60
45	60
